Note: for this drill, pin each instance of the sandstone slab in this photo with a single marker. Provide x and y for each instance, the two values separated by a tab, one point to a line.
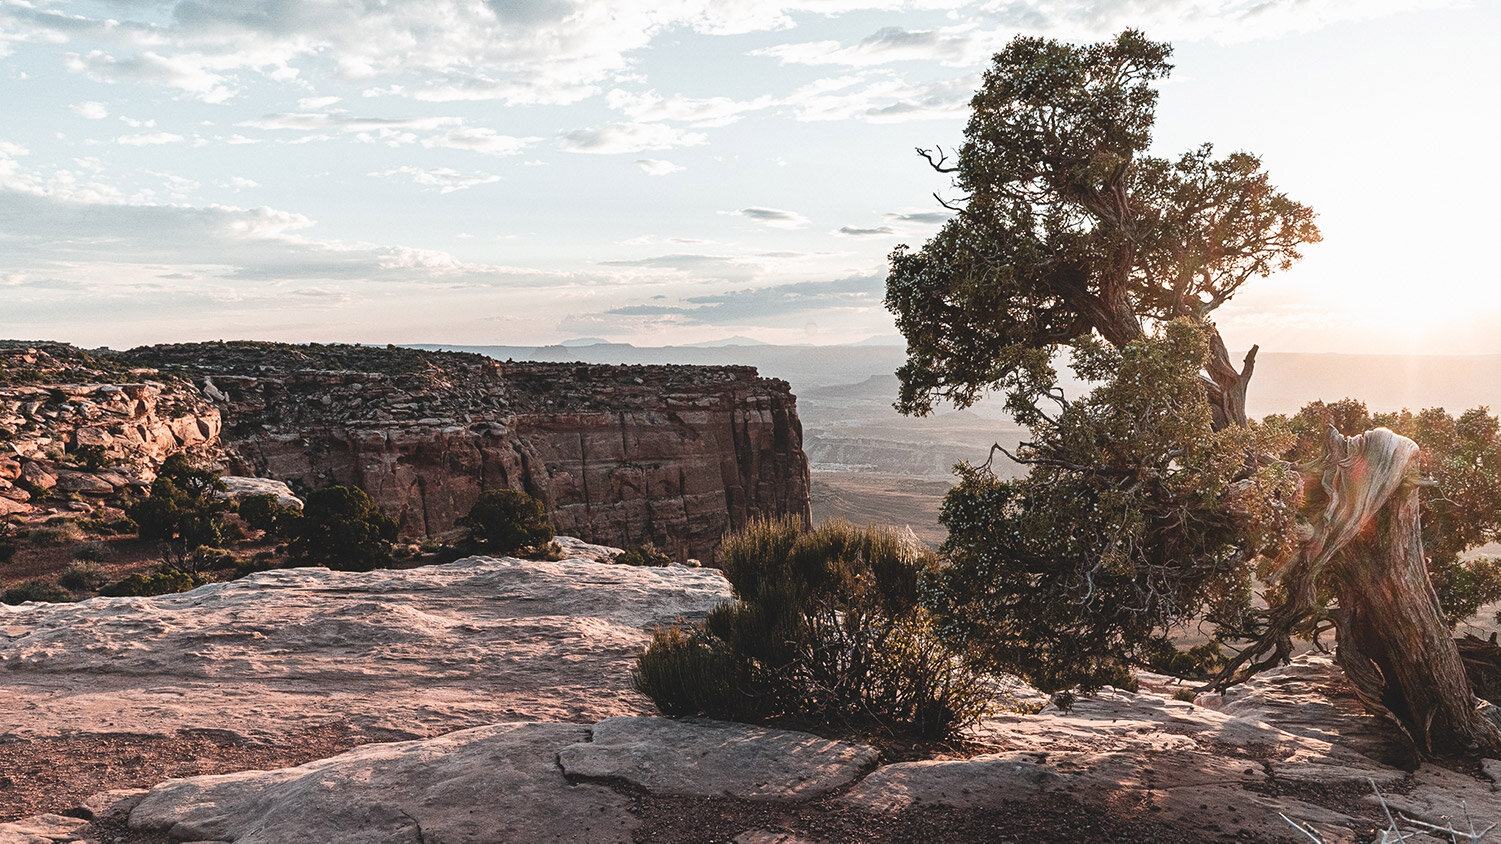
42	829
237	487
496	783
704	758
418	651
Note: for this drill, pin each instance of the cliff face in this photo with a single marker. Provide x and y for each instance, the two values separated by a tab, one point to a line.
56	400
620	454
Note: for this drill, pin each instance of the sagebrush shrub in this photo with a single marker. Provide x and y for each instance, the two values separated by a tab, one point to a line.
826	623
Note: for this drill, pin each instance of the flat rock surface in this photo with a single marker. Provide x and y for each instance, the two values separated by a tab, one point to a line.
703	758
418	651
488	784
41	829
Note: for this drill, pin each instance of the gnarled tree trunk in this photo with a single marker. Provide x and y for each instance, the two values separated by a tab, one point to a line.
1394	643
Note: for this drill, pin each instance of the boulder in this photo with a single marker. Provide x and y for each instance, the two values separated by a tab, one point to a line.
35	474
703	758
496	783
238	487
11	507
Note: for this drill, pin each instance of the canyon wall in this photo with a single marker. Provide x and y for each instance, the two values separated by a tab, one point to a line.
620	454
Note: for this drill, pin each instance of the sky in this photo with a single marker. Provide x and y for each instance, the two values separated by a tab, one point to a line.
679	171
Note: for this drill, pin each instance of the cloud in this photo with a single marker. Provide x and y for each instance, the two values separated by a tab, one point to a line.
748	306
717	267
703	113
145	139
315	103
774	217
345	122
90	110
658	167
617	138
446	180
480	140
920	218
855	231
883	97
955	47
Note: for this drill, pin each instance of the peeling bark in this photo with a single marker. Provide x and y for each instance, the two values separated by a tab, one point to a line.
1394	643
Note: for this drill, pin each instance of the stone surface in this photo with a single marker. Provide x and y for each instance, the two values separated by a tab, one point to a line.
42	829
703	758
113	805
237	487
488	784
419	651
619	454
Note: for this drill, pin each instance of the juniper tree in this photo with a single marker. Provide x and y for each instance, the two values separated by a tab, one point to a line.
1153	500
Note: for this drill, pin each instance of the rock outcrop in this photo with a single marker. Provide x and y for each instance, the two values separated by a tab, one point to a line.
621	455
77	428
415	651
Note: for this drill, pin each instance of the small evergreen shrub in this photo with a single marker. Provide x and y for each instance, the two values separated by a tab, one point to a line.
505	520
645	554
82	577
36	590
265	512
341	528
826	623
153	584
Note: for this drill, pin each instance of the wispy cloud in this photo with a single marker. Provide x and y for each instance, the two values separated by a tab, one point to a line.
774	217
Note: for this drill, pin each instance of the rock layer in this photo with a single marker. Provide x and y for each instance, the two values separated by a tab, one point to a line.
675	455
416	651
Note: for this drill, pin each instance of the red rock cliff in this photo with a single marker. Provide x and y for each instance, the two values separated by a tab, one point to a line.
620	454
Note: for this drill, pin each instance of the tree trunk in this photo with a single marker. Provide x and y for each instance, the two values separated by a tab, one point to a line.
1394	643
1227	387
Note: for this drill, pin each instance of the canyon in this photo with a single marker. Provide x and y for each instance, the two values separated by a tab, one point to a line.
672	455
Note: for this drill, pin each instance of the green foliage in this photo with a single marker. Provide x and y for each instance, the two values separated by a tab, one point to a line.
1136	515
109	527
56	532
1196	663
1070	229
265	512
182	511
504	520
36	590
1461	509
82	577
341	528
153	584
91	458
645	554
826	623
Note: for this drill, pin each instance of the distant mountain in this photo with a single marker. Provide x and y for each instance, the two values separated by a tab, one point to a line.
737	340
586	341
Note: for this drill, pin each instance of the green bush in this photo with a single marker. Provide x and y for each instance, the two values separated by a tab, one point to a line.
826	623
110	527
265	512
152	584
82	577
36	590
645	554
341	528
91	458
504	520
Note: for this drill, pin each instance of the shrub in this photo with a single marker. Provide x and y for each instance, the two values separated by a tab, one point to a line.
56	533
91	458
826	623
504	520
645	554
82	577
7	550
341	528
36	590
152	584
265	512
110	527
92	551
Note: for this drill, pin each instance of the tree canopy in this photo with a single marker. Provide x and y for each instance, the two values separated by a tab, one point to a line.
1069	228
